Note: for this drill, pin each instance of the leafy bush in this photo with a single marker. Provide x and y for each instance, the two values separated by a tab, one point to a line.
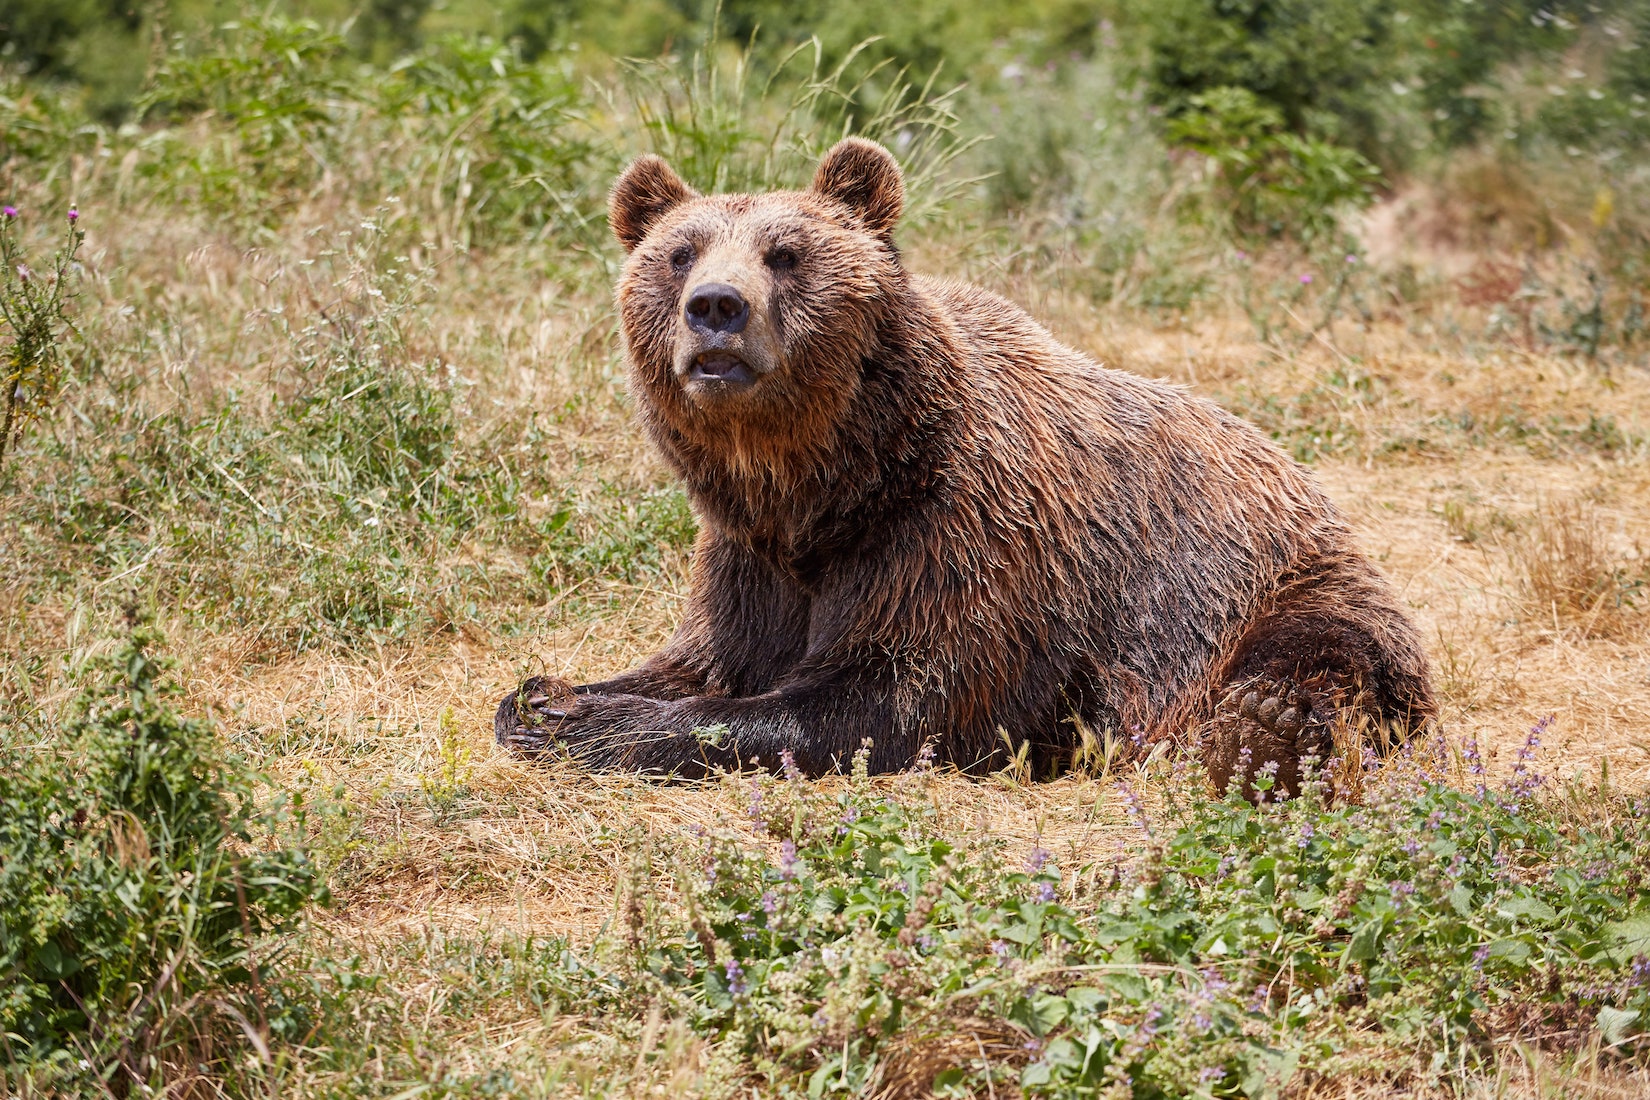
498	139
1268	180
140	882
266	108
274	88
306	511
1246	944
1320	64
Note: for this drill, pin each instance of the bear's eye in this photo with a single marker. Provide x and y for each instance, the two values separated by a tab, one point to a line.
782	259
682	258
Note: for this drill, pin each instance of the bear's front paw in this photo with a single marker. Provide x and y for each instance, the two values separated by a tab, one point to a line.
529	717
545	718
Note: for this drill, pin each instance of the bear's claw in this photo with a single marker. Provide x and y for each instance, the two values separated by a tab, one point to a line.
525	723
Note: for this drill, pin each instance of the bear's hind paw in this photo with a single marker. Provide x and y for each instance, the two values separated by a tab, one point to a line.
1267	725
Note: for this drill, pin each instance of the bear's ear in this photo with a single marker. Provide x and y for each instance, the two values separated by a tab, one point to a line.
646	192
864	177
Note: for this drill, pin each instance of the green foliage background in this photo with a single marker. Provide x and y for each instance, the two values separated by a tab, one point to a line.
1331	67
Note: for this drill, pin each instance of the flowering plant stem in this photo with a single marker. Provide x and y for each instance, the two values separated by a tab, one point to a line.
32	308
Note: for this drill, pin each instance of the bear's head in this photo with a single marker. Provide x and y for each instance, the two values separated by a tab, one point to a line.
747	318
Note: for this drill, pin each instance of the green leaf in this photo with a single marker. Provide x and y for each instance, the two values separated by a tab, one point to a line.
1628	937
1529	906
54	961
1049	1011
1084	998
1365	941
1615	1024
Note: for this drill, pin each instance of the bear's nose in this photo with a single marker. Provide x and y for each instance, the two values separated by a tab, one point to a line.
717	307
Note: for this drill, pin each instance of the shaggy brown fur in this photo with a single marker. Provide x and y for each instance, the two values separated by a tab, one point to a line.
925	521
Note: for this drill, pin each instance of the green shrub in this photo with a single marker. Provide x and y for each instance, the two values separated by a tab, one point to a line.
1267	180
500	143
140	882
1320	64
274	88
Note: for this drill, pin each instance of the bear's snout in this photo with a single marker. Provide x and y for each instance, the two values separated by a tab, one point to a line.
717	308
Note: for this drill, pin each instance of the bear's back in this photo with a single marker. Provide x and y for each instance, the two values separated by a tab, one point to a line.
1115	442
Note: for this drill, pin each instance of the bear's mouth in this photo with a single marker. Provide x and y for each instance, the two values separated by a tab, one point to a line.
721	370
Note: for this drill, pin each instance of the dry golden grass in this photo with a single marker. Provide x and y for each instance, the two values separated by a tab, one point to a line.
1511	550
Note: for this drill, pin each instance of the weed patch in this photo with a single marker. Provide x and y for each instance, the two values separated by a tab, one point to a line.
836	940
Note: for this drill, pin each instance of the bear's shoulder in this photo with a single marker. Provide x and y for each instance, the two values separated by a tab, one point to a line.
1000	338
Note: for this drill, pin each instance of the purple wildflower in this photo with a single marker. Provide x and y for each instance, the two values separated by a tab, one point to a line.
1261	1000
1469	753
1045	892
1480	956
999	948
1270	771
770	903
787	765
1351	258
1211	1073
1306	835
787	860
1525	780
8	212
1038	857
74	215
1134	807
1306	280
736	978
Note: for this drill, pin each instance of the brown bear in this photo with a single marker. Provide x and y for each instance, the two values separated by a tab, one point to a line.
926	522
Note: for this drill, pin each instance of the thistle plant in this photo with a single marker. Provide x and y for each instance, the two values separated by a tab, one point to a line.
32	307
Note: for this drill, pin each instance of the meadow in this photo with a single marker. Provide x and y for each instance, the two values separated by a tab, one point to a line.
317	442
